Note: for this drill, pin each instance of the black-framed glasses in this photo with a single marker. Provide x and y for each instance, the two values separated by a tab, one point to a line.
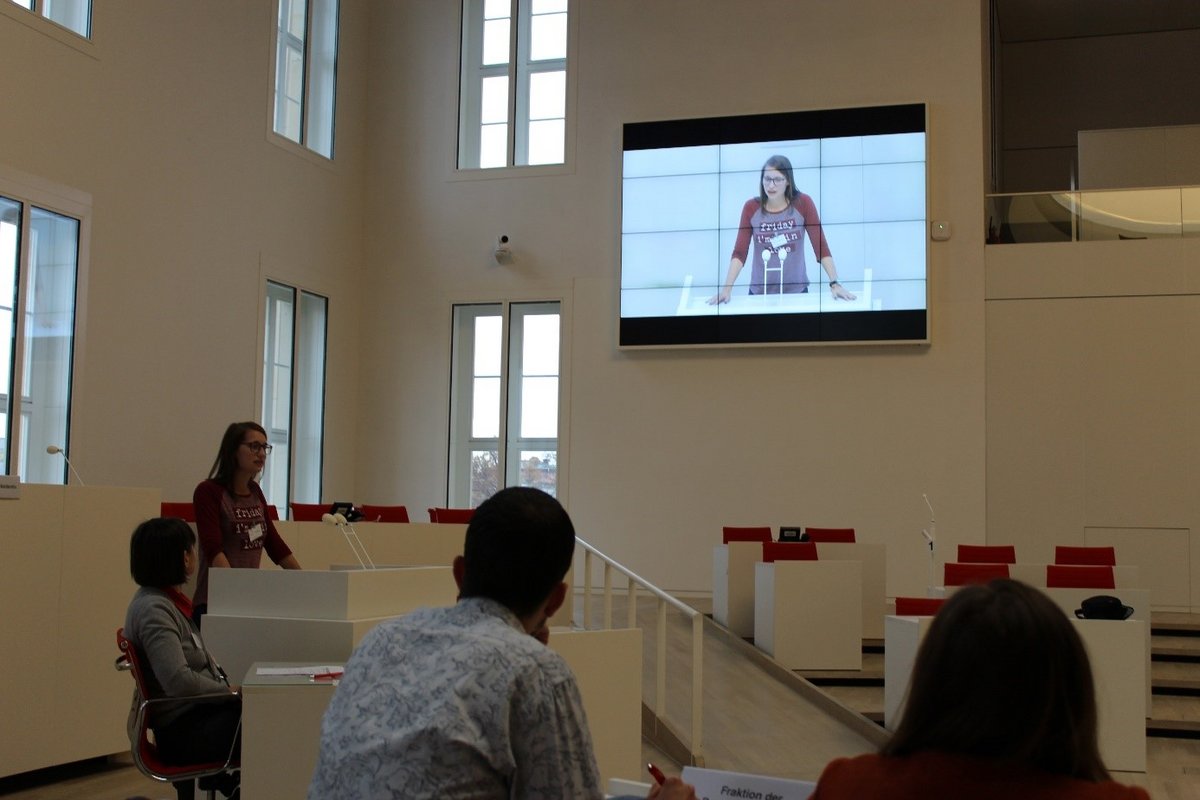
770	181
259	447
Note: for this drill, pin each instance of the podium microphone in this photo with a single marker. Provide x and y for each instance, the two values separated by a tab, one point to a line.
361	547
339	522
55	450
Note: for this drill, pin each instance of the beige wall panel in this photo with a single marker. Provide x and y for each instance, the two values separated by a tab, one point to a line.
1163	557
31	536
92	699
1139	387
1035	451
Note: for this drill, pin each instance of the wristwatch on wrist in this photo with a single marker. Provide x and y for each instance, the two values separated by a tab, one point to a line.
834	283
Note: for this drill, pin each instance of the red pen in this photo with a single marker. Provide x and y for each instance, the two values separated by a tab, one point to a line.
657	774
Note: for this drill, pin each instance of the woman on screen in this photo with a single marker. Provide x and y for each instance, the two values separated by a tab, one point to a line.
777	221
231	511
1001	705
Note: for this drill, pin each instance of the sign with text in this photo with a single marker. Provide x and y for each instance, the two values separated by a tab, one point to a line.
715	784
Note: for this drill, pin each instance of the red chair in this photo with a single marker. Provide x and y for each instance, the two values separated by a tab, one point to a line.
145	754
1062	576
830	535
183	511
308	512
789	551
384	513
273	513
1093	556
963	574
918	606
987	554
456	516
753	534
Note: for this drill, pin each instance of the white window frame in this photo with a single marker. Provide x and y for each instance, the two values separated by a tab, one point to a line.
518	69
461	441
300	446
80	10
33	192
318	95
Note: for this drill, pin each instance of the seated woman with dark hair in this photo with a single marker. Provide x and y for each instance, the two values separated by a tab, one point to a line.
162	555
1001	705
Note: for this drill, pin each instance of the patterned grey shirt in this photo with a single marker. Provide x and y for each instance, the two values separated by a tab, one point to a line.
455	703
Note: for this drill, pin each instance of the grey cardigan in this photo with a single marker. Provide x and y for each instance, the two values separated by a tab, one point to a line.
173	656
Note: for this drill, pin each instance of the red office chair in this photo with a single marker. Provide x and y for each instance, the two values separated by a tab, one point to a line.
273	513
384	513
963	574
830	535
789	551
308	512
1061	576
987	554
918	606
145	754
1094	556
183	511
458	516
753	534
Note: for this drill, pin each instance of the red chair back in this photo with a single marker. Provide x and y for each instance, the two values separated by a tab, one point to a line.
830	534
789	551
183	511
987	554
457	516
963	574
308	512
384	513
273	513
1061	576
1094	556
752	534
918	606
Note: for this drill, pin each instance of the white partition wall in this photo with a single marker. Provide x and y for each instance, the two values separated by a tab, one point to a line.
733	585
65	585
808	614
873	557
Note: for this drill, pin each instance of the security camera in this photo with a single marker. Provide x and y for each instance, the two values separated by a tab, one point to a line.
503	250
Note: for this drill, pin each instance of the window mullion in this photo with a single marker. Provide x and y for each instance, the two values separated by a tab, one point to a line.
17	374
505	378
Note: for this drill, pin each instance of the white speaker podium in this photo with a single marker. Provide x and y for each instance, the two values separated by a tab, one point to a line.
313	616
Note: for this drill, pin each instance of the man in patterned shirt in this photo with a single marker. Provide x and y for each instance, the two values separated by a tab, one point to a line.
467	701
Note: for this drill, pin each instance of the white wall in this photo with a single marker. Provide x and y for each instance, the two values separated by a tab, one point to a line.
665	447
163	120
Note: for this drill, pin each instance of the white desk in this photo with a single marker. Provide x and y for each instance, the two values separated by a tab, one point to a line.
808	614
281	716
873	557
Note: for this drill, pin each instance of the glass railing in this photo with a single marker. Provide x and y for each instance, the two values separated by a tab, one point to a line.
1093	215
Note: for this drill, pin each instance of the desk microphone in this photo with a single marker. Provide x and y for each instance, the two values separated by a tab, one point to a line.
55	450
930	535
361	547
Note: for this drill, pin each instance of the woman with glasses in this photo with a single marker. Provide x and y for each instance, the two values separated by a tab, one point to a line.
776	221
231	511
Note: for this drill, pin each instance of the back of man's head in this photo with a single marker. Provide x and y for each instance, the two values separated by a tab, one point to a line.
519	546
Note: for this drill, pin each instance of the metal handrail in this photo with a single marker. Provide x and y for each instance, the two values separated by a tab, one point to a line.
664	600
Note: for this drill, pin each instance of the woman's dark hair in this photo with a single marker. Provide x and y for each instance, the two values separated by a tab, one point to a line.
156	552
227	460
1003	674
781	164
519	546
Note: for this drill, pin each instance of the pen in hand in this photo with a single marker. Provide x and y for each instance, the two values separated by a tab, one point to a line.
657	774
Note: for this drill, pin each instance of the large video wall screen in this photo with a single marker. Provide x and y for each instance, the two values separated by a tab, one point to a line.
800	227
